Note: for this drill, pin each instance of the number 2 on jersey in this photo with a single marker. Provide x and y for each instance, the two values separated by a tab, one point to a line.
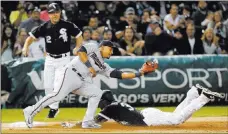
127	106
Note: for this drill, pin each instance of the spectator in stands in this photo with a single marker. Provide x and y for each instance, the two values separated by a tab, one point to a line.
210	42
4	19
220	30
21	37
44	13
209	21
94	24
107	35
130	21
190	44
173	20
37	48
7	43
186	17
19	15
33	21
95	36
154	15
186	12
200	14
158	42
130	43
121	6
145	20
87	32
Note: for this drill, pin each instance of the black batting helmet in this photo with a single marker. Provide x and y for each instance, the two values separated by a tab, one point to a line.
106	99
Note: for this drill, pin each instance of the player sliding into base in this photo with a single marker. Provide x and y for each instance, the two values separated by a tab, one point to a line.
125	114
77	76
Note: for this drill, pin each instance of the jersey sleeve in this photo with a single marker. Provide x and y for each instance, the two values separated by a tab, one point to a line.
74	30
107	71
38	32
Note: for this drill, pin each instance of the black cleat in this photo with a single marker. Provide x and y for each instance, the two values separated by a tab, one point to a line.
208	93
53	113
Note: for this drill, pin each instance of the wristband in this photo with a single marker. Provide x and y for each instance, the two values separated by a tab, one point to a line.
138	74
87	63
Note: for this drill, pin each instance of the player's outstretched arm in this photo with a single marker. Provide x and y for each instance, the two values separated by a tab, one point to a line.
147	67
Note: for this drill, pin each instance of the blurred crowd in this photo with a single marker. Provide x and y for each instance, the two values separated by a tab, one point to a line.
137	27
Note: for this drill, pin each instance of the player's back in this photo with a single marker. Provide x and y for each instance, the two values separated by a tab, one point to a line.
123	114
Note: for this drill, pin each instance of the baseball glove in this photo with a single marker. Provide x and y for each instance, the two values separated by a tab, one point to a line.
149	66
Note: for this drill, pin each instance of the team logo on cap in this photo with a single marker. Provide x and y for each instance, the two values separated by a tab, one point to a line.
52	5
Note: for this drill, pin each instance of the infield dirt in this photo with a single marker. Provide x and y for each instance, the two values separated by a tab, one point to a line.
193	125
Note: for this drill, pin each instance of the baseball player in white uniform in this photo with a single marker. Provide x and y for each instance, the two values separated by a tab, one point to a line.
57	34
77	77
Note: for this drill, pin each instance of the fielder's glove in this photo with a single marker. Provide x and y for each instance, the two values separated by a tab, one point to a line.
149	66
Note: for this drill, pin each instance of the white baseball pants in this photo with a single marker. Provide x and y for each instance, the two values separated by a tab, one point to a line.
192	103
50	68
66	81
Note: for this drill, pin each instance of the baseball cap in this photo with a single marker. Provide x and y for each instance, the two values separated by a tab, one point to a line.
36	9
106	29
87	28
107	43
53	7
130	10
154	21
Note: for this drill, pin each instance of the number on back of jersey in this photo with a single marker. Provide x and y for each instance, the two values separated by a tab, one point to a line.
130	108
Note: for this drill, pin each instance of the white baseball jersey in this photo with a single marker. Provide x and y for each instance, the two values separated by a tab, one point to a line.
67	79
96	60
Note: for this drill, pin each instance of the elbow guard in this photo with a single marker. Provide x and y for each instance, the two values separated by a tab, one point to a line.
116	74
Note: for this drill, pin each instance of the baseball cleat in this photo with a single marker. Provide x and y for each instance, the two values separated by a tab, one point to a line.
53	113
208	93
90	124
28	117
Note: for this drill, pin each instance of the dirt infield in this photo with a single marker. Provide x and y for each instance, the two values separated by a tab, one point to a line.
194	125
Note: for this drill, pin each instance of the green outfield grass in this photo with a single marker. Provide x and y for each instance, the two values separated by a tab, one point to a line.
75	114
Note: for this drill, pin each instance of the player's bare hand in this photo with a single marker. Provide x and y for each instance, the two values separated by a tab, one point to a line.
92	71
25	51
75	51
70	125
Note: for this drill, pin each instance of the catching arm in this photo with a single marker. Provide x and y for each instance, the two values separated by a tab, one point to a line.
147	67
